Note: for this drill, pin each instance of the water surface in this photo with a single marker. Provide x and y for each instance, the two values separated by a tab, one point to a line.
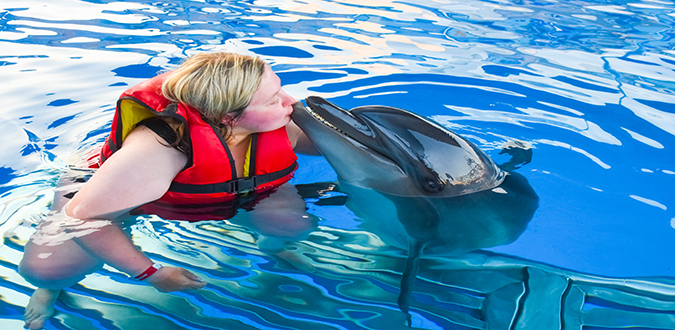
589	84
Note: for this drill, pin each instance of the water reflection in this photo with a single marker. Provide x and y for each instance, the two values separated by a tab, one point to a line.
590	85
450	227
273	220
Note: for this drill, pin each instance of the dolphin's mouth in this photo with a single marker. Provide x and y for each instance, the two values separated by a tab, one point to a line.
318	117
341	121
337	119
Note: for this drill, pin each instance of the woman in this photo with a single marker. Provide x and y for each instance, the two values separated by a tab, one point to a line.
171	136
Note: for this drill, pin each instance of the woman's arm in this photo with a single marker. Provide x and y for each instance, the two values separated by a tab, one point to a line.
140	172
299	140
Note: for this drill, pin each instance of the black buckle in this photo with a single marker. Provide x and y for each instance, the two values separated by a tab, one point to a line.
244	185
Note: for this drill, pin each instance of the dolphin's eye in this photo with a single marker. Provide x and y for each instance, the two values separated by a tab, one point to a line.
433	186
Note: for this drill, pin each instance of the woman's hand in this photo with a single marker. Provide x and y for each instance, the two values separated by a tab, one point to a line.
168	279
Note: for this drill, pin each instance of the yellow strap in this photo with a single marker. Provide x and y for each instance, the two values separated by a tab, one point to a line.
247	160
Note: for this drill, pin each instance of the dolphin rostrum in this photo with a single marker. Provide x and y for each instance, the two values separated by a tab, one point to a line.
417	184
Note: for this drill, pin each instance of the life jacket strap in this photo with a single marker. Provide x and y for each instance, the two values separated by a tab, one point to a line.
236	186
111	145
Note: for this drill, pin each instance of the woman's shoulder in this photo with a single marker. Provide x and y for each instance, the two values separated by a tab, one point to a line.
170	130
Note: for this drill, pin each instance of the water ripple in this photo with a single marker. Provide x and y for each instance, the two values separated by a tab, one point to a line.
589	84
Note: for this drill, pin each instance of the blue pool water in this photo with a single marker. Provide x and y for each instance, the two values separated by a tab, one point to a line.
589	84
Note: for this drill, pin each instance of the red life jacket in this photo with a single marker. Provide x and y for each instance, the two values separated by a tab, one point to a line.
208	178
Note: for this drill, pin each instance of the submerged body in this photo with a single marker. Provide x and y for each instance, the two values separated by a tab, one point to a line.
416	184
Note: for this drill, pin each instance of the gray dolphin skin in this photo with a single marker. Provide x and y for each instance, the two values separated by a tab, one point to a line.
407	155
416	184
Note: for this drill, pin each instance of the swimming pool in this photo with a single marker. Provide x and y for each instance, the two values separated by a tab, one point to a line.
589	84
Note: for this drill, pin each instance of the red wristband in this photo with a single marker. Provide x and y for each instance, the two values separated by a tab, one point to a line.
148	272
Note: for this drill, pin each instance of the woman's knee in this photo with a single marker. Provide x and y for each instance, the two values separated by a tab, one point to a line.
55	269
49	276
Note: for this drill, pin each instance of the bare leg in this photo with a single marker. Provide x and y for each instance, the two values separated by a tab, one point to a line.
51	267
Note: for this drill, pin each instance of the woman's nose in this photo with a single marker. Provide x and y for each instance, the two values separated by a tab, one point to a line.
286	100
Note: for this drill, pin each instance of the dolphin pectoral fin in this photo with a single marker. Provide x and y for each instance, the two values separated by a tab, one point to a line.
409	275
316	189
332	201
327	193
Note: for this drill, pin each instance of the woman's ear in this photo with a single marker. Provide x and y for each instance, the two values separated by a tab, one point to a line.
229	119
233	116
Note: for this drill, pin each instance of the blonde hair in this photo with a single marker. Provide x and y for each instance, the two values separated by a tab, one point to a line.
216	84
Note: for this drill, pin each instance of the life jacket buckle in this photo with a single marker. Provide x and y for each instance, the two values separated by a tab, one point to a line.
244	185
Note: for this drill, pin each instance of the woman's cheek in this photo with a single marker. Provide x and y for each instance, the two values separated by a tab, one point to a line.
263	121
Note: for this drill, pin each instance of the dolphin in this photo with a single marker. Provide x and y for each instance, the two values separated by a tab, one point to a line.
417	184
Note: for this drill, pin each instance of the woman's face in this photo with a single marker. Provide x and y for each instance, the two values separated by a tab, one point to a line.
270	107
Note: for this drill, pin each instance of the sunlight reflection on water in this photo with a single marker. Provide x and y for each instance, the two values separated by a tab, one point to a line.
589	85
